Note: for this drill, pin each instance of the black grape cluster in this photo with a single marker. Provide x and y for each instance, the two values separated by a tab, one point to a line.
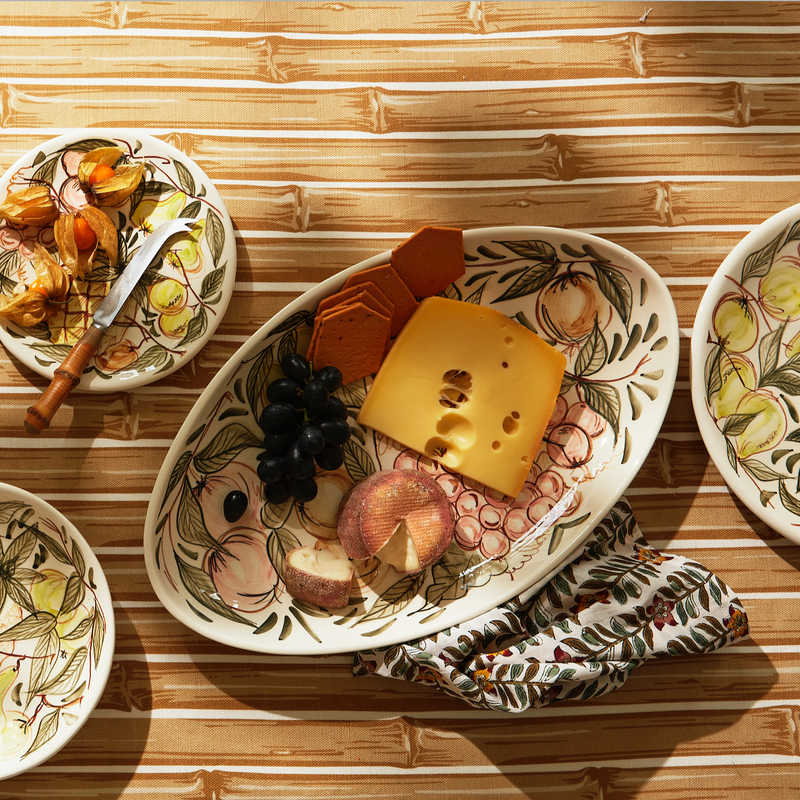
304	428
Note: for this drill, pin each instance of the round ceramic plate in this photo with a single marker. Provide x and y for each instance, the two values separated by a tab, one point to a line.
746	371
178	303
56	629
606	309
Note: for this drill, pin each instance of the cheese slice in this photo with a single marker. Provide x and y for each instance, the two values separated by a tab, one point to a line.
470	388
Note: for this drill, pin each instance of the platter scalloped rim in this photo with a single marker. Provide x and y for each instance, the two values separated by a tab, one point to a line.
64	545
159	353
650	340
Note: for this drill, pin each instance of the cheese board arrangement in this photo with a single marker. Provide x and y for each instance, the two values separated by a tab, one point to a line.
416	440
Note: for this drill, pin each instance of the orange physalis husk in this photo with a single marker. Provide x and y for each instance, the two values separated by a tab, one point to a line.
32	206
28	307
100	155
81	262
116	190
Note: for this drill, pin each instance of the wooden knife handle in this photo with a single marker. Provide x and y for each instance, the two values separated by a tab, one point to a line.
66	378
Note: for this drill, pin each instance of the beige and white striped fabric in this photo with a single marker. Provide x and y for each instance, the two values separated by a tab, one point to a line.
333	130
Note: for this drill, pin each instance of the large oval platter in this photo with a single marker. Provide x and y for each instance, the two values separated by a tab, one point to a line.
57	631
746	371
178	303
604	307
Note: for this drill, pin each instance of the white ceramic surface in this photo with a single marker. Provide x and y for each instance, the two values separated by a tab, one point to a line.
746	371
604	307
154	334
56	631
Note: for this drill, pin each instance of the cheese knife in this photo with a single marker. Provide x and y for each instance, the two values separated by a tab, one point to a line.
68	375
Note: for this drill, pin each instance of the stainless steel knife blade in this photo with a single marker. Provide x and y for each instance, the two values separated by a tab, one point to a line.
123	286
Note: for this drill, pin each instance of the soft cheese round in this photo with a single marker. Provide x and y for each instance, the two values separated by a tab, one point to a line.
405	502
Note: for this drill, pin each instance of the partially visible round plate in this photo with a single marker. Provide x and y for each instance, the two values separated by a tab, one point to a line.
177	305
604	307
746	371
56	631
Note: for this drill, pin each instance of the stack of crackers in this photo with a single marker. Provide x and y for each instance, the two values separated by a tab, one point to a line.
354	328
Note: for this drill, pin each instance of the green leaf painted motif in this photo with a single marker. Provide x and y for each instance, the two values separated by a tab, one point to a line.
761	472
616	288
37	624
394	599
758	263
185	178
224	447
769	351
47	729
98	634
215	234
593	353
257	379
530	281
534	249
212	284
281	541
197	327
603	398
191	523
177	474
789	501
66	680
357	460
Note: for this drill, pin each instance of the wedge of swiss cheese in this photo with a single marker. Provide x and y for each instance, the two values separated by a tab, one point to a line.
470	388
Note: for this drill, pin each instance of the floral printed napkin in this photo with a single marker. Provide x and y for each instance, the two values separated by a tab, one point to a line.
580	634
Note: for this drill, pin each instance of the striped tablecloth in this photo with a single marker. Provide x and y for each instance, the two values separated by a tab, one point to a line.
333	130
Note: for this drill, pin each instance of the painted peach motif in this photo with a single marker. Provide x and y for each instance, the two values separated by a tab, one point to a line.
767	428
779	289
167	296
735	323
571	305
738	377
117	356
243	576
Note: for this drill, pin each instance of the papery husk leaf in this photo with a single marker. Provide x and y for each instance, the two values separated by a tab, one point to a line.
81	262
115	191
74	260
32	206
100	155
104	229
28	307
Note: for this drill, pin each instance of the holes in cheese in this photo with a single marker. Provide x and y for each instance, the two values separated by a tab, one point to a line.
456	389
493	435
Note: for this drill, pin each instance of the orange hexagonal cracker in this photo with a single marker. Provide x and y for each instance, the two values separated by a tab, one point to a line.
430	260
351	338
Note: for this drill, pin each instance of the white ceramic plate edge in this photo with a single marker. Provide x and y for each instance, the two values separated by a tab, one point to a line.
102	386
103	671
702	324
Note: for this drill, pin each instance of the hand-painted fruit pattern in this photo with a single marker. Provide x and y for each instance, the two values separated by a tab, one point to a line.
231	569
752	371
52	630
173	304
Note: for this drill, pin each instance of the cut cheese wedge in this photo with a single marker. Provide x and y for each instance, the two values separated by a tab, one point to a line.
470	388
